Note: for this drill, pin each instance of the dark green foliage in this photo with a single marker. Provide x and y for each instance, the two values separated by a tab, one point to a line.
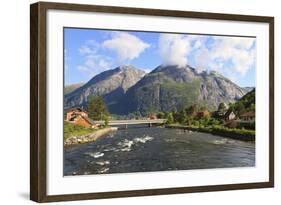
196	123
241	134
245	104
96	108
247	125
170	118
182	117
239	108
188	116
160	95
221	107
105	118
192	110
160	115
199	119
179	95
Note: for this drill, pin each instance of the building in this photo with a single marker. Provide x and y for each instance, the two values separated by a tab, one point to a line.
229	115
73	112
203	114
248	116
152	116
219	114
79	116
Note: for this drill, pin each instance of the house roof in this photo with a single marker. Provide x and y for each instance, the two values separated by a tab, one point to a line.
248	114
228	113
75	109
89	120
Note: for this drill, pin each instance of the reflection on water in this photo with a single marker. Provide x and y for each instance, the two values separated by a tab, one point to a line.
156	149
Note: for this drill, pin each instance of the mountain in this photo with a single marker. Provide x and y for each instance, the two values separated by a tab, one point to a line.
70	88
245	104
248	89
168	87
111	84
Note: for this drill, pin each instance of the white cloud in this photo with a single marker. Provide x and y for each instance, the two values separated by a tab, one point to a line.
127	46
84	69
89	48
237	50
226	55
197	44
202	59
94	63
174	49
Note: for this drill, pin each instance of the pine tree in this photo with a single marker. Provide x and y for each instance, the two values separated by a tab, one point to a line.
170	119
96	108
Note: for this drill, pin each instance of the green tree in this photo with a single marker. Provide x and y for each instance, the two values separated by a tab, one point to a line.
252	107
192	110
240	108
170	118
106	120
188	120
137	115
196	123
182	117
231	107
203	108
96	108
131	116
221	107
160	115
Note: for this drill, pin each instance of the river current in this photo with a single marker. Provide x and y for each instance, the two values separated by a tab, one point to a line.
143	149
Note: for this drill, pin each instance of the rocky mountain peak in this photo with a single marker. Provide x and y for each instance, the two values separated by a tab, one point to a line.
116	81
162	89
168	87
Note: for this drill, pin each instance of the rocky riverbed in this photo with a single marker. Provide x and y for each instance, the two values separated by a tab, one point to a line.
88	137
143	149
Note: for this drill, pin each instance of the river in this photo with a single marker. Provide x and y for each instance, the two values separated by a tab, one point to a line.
143	149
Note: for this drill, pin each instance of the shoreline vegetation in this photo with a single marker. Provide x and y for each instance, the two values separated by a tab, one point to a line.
233	133
236	120
75	134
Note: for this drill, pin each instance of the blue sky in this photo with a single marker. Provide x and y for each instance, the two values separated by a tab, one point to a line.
88	52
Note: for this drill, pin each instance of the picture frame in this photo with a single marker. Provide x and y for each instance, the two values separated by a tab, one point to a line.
39	93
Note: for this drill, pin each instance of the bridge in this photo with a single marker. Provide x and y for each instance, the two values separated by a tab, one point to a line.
133	122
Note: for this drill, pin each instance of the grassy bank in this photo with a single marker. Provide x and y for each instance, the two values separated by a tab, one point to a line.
75	134
240	134
70	130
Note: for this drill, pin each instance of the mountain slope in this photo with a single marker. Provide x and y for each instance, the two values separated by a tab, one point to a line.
111	84
169	87
245	104
72	87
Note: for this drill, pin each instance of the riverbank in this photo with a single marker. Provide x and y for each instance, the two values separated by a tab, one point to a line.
239	134
90	137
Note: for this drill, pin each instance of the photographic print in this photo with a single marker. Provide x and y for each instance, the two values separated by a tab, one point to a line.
139	101
135	102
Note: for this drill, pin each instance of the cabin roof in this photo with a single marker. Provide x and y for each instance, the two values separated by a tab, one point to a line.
75	109
248	114
228	113
89	120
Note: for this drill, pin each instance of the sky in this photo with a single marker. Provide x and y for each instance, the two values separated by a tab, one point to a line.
88	52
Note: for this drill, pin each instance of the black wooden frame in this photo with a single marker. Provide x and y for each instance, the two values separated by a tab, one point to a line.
38	98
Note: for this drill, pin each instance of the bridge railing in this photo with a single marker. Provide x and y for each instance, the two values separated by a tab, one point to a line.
120	122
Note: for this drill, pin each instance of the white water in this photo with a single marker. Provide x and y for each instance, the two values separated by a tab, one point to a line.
126	145
95	154
102	163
